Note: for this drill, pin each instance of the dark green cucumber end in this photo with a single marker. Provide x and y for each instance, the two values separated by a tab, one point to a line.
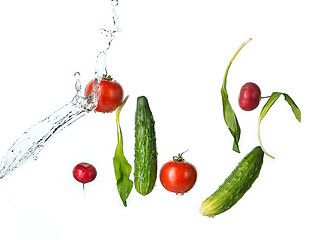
142	101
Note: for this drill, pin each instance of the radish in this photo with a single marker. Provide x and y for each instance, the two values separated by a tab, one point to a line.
250	96
84	173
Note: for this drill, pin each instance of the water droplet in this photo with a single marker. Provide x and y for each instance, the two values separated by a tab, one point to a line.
77	82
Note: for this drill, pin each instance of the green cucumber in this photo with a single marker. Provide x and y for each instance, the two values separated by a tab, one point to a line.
235	185
145	164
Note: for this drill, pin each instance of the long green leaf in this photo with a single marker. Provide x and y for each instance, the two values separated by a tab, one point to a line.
122	168
295	109
231	121
228	112
273	98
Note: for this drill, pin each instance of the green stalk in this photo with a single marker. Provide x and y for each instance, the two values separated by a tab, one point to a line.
272	99
228	112
231	61
122	168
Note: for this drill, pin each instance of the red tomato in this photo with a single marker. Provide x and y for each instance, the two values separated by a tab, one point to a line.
110	95
178	176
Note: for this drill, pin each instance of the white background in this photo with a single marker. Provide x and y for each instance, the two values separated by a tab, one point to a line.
175	53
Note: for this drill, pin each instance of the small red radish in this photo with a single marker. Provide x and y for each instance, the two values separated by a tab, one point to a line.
84	173
250	96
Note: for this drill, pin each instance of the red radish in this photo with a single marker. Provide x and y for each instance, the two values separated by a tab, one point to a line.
250	96
84	173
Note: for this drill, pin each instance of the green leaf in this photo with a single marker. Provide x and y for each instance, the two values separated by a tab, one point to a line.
273	98
228	112
231	121
122	168
295	109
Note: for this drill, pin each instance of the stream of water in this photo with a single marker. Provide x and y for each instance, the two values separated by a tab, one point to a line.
32	141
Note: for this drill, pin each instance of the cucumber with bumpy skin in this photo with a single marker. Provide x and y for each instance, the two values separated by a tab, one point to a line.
235	185
145	164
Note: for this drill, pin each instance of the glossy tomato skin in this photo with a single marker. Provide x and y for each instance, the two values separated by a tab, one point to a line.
110	95
178	177
84	172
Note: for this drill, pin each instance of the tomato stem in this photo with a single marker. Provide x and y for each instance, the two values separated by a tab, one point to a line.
106	76
179	158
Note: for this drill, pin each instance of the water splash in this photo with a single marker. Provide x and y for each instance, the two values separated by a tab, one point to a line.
32	141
